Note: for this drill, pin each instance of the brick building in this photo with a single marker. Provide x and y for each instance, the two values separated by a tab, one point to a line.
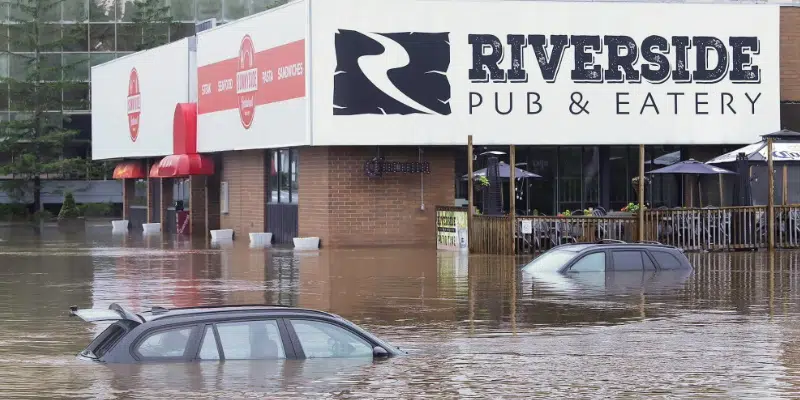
283	116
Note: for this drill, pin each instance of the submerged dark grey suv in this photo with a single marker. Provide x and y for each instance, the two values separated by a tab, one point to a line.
607	257
248	332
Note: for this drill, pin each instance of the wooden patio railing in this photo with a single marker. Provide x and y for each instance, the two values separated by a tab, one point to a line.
711	229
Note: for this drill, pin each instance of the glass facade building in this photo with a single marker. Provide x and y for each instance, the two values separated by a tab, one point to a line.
102	30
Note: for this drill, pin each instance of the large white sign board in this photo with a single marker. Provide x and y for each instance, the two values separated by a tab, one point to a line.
251	81
134	99
525	72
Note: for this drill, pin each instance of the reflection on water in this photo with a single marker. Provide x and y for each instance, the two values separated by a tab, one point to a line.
475	326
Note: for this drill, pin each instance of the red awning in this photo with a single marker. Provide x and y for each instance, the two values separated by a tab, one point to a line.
181	165
129	170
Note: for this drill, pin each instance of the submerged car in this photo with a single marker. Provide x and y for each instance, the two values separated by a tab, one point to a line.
243	332
609	256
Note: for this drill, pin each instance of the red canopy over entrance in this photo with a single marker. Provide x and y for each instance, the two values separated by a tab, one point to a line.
129	170
182	165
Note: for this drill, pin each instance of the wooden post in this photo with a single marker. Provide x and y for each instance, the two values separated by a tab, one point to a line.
470	189
512	198
785	190
641	193
721	191
770	198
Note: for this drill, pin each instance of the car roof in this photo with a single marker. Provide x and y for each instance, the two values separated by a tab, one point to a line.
208	312
116	312
613	244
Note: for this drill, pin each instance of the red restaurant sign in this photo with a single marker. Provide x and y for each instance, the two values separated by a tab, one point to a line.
252	79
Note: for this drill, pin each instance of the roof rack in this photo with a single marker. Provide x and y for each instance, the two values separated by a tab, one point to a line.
160	310
615	241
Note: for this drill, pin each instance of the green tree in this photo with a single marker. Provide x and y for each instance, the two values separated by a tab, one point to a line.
69	210
153	20
36	137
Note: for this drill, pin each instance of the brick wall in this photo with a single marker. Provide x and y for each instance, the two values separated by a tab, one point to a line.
345	208
244	172
790	53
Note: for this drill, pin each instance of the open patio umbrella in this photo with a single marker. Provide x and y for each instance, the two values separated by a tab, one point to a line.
504	171
692	167
785	148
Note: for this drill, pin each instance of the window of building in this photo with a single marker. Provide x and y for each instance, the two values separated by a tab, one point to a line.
75	10
283	175
209	9
235	9
324	340
183	10
101	10
76	66
77	37
101	37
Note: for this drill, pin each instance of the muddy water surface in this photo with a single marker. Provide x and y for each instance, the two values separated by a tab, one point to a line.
475	326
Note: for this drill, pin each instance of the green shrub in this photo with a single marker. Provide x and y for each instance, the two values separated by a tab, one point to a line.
69	210
43	215
13	212
96	209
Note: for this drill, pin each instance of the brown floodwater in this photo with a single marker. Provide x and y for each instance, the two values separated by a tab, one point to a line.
475	327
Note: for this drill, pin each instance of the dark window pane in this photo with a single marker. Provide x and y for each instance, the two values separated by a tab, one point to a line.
273	176
129	37
235	9
4	72
20	37
155	35
99	58
18	92
50	67
50	37
76	66
209	9
180	31
101	37
183	10
76	37
76	10
3	38
595	262
261	5
570	171
4	11
666	260
283	176
101	10
627	260
3	97
253	340
20	10
77	97
324	340
295	163
18	65
164	344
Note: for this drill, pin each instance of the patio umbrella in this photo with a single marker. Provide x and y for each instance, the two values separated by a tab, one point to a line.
742	195
692	167
504	171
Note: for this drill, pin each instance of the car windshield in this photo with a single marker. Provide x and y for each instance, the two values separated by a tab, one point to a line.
551	261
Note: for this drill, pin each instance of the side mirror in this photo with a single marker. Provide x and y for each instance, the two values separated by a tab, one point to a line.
379	352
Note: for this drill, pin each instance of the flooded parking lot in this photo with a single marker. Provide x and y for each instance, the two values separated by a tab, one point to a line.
476	327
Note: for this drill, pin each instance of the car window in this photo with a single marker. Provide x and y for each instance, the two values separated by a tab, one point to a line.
322	340
666	260
251	340
648	263
552	261
208	349
594	262
628	260
165	344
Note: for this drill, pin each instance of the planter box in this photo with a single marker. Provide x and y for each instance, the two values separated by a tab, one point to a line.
222	235
307	243
260	238
120	226
151	228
